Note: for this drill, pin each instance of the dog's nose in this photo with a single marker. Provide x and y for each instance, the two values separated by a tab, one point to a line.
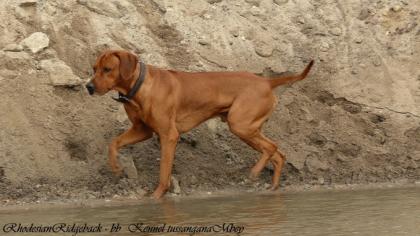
90	88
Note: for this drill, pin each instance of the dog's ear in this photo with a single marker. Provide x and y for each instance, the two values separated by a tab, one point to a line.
128	62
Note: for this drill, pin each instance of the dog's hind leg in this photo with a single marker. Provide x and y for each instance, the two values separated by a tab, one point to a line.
245	119
277	160
265	146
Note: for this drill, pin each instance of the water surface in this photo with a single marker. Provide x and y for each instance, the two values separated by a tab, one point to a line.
351	212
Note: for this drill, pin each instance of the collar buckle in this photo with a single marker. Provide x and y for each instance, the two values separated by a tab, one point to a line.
121	98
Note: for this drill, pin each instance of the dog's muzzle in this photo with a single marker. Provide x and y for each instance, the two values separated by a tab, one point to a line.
90	88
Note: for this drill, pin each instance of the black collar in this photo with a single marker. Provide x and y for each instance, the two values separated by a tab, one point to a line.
126	98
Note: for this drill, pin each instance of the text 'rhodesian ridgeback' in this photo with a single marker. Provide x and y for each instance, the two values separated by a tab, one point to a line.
169	103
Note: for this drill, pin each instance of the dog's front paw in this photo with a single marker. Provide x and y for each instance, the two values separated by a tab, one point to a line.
253	176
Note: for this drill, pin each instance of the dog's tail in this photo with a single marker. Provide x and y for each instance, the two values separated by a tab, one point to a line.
292	78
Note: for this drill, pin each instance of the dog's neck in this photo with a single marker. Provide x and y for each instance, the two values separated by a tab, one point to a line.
127	89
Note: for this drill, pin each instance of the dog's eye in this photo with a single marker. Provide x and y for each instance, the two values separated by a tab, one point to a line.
106	69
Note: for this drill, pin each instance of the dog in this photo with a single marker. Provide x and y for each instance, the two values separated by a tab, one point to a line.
169	103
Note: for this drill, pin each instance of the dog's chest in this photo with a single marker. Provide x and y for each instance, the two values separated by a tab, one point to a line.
135	115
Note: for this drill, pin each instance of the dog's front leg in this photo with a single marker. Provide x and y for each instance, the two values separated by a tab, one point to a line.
168	142
136	133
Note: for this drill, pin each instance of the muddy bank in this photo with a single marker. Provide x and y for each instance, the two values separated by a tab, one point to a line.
355	120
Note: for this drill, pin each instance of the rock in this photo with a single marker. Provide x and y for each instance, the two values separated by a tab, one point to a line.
15	61
36	42
214	1
321	180
264	49
324	46
28	3
377	61
207	16
255	11
314	164
203	42
317	139
254	2
280	2
175	188
301	20
358	40
115	9
193	180
396	8
161	5
349	149
60	74
406	28
127	164
13	48
364	13
336	31
235	32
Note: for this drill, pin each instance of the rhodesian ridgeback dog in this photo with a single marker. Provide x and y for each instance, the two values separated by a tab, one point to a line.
169	103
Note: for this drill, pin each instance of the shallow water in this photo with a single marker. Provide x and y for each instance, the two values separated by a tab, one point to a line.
351	212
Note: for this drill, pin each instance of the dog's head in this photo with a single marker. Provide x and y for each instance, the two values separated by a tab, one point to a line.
112	68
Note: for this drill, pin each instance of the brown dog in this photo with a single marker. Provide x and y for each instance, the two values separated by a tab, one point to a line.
169	103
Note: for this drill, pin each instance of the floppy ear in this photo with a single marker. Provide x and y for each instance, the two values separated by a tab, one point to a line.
128	62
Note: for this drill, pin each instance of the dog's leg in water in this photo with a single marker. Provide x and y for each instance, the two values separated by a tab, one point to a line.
278	161
168	142
136	133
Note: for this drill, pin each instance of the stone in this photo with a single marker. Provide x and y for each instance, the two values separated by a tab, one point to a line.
115	9
235	32
36	42
314	164
396	8
324	46
214	1
301	20
15	61
207	16
203	42
28	3
175	188
321	180
280	2
60	74
254	2
364	14
255	11
13	48
264	49
377	61
336	31
128	166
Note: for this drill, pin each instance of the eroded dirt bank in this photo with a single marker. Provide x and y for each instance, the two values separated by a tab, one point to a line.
356	119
